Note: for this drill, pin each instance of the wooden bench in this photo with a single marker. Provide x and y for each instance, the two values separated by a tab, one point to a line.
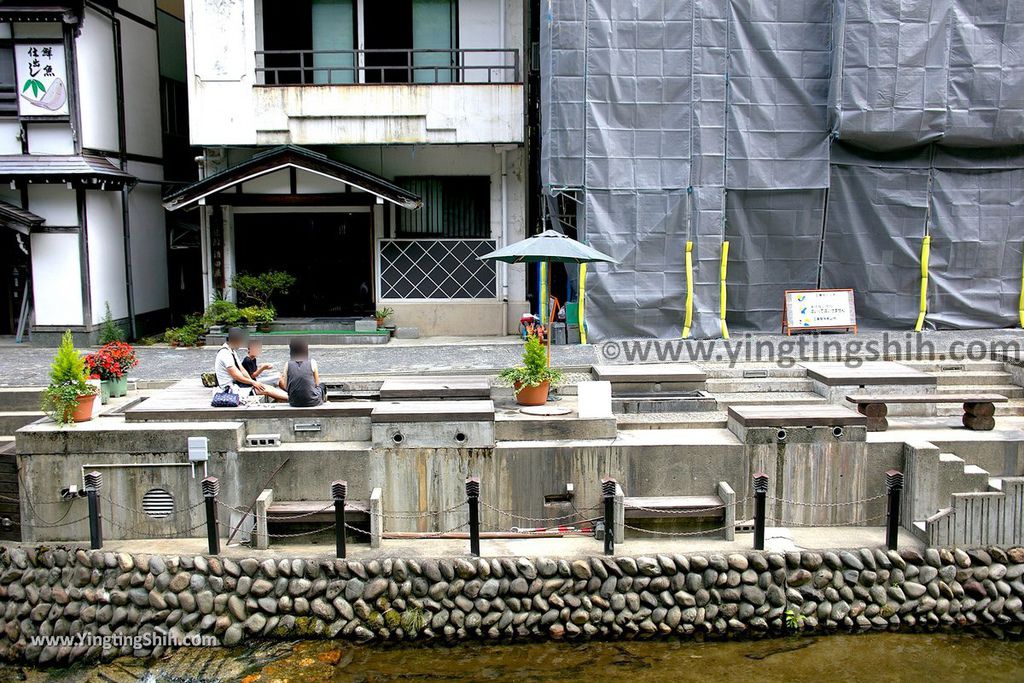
979	409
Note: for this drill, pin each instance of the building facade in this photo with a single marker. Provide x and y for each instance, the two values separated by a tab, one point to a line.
81	168
373	150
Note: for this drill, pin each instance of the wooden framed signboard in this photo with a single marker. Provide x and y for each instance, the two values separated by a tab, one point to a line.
818	309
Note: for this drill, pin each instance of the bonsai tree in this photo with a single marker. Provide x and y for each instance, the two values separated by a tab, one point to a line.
533	373
260	289
67	383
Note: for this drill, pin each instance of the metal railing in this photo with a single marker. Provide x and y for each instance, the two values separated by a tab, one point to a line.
415	66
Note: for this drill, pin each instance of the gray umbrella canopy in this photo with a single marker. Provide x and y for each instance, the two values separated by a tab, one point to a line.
549	246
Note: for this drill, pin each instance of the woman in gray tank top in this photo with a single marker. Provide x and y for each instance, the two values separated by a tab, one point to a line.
301	378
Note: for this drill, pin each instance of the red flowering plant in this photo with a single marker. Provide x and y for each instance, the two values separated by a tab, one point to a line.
112	361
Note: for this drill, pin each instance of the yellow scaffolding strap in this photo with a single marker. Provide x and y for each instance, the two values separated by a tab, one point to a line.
689	290
545	295
925	248
721	296
579	309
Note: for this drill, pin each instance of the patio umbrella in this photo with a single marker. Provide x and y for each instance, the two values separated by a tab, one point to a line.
549	247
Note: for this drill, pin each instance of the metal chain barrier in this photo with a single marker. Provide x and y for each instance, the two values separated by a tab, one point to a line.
801	525
676	533
303	533
139	533
690	511
174	513
826	505
576	515
48	526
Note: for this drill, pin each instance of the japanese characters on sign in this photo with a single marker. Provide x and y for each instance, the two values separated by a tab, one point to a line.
42	78
819	308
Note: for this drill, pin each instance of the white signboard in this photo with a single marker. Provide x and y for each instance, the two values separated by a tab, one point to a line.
819	308
42	79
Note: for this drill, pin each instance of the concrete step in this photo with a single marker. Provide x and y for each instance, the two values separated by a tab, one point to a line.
1007	390
959	476
763	397
973	378
1013	407
751	371
20	398
510	426
12	421
769	384
690	420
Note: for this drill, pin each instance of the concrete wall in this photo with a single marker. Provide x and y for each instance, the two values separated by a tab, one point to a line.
221	39
61	591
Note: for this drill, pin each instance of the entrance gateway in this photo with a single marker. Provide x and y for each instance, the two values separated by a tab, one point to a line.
296	210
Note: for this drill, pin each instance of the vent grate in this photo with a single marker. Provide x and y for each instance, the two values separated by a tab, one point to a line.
255	440
158	503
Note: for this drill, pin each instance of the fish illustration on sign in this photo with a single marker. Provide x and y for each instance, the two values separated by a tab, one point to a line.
53	98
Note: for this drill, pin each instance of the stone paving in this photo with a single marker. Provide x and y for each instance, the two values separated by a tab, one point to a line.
27	365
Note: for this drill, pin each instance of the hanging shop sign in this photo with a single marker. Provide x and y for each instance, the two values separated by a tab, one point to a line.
42	78
818	309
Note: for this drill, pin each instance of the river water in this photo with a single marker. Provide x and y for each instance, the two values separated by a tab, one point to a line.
927	658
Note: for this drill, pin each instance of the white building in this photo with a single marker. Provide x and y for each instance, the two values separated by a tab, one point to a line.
372	149
81	165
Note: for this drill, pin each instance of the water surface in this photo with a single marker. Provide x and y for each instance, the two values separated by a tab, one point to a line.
871	657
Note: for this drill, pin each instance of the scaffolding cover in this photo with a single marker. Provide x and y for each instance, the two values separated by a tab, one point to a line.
698	121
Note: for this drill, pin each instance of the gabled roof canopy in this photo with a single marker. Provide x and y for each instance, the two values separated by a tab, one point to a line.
290	156
18	219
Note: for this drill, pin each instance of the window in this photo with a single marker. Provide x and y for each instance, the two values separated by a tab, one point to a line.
453	206
8	81
174	107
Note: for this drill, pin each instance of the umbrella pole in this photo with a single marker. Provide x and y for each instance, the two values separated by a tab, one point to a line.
551	312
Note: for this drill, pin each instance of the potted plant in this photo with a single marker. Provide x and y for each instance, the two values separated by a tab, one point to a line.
68	398
532	380
111	364
382	314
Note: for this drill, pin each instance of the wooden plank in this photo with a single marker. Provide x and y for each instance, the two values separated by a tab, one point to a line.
795	415
433	411
649	372
870	372
926	398
434	387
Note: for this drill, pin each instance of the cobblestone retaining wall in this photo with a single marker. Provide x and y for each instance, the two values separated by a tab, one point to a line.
66	592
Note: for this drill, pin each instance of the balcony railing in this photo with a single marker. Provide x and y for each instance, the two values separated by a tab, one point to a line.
337	67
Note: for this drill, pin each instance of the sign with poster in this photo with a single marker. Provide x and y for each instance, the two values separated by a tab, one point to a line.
818	309
42	79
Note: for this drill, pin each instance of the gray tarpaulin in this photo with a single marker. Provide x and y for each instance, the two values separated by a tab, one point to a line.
977	227
774	245
873	233
656	112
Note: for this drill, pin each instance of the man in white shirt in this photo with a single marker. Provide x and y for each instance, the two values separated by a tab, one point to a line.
231	373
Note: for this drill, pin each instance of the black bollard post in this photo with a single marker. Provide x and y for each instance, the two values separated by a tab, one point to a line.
211	488
473	498
608	493
760	497
339	490
93	484
894	487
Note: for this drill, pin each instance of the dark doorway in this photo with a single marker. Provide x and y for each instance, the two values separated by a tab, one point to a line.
387	26
330	255
13	276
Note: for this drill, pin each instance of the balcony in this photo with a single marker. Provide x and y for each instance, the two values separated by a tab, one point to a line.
387	66
388	96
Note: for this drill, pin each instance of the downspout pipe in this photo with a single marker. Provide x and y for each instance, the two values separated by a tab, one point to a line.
122	143
504	239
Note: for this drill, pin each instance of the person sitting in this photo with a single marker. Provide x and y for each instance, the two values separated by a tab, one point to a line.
301	377
230	372
262	371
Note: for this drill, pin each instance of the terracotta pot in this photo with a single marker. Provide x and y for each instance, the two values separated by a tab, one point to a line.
83	411
532	396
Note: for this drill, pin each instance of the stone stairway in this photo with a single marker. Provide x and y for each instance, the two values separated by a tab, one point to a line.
951	478
988	377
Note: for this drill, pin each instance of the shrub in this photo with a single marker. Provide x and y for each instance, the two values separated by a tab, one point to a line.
189	334
109	330
67	382
112	361
221	312
259	289
534	370
256	315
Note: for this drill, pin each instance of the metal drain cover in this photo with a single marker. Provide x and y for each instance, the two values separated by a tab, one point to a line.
545	410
